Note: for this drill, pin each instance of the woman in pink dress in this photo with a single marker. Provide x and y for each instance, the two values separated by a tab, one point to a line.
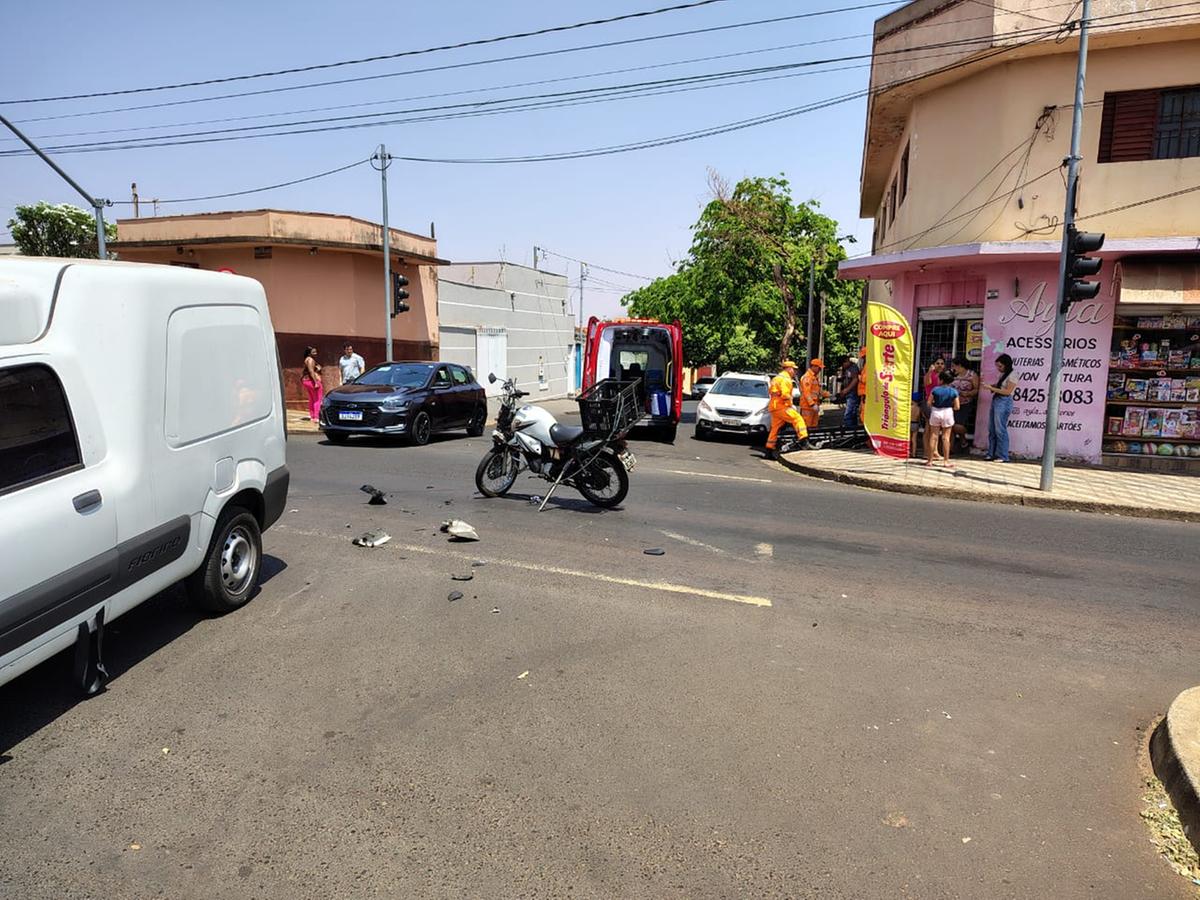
311	379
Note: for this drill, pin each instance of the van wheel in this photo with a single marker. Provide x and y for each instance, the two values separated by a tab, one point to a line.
230	571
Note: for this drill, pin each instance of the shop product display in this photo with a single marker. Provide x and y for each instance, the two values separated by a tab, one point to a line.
1153	388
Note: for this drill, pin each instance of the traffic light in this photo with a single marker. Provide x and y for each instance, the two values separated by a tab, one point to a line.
399	294
1080	266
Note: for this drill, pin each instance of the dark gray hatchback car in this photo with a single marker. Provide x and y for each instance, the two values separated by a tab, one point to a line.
407	399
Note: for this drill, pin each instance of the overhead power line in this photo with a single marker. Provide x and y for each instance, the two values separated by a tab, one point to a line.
333	123
257	190
461	65
591	265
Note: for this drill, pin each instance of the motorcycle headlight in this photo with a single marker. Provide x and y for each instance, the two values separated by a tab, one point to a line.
394	404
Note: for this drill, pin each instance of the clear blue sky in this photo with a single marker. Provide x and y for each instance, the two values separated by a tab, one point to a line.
630	211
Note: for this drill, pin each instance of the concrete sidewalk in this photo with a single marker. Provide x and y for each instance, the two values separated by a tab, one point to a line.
1142	494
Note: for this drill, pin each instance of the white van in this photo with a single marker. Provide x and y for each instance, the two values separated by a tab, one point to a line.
142	441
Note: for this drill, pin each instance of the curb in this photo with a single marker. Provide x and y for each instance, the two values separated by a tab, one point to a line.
1044	502
1175	757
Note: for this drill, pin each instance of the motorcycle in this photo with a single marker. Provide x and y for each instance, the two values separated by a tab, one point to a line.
595	460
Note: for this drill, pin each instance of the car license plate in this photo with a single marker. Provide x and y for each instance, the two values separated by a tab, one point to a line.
733	423
628	460
350	416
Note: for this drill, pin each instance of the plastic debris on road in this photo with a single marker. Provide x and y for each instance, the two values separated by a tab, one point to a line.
459	530
374	538
377	496
495	609
535	500
466	576
454	595
523	675
655	551
477	563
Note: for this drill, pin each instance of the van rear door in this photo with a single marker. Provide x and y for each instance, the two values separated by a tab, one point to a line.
58	538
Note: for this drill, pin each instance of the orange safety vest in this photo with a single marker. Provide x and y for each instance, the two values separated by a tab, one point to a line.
810	391
862	376
781	392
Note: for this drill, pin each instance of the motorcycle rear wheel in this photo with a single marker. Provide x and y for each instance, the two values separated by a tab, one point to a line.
605	483
496	473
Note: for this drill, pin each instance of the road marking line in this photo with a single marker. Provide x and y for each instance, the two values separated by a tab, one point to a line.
597	576
691	542
764	550
714	475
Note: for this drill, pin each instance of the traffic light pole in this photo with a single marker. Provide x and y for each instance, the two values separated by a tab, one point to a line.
384	160
1050	439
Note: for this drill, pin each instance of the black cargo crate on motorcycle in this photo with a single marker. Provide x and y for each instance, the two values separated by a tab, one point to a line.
609	408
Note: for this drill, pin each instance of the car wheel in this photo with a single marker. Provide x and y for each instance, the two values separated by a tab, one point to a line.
478	421
336	437
701	433
422	429
230	570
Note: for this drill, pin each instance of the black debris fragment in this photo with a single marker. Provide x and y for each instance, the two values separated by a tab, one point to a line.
477	563
465	577
377	496
454	595
655	551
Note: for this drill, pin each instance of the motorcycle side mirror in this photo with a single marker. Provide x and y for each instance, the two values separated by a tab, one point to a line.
491	377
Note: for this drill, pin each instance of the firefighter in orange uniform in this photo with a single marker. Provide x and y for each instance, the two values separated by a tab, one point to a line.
811	394
782	410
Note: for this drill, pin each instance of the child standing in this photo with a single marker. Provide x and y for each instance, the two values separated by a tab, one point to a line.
943	402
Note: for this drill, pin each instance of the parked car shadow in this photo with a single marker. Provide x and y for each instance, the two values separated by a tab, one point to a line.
382	440
45	692
560	500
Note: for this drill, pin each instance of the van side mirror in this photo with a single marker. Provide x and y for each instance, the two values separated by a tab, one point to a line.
491	377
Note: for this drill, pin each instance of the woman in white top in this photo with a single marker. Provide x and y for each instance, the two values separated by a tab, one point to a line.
1002	404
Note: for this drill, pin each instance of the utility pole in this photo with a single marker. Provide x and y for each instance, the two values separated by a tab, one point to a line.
1050	439
384	162
582	278
536	251
96	203
812	290
133	190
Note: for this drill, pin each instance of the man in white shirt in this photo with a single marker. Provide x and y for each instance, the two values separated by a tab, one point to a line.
351	363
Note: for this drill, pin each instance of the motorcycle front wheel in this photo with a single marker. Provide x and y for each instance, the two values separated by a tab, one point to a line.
605	482
496	473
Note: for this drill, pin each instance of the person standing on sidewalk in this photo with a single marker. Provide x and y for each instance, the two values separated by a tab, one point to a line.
351	364
848	393
941	419
782	410
1002	404
966	382
811	394
311	379
862	385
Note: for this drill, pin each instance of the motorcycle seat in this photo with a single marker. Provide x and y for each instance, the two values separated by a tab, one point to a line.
564	435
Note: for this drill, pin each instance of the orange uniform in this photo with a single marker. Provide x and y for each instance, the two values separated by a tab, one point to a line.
782	410
862	385
810	398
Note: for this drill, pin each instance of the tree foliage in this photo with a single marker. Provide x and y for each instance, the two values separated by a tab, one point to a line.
741	294
57	229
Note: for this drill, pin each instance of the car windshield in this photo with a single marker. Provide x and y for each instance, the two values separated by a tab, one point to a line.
396	376
740	387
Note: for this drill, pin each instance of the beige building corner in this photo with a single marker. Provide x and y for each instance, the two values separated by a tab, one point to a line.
323	276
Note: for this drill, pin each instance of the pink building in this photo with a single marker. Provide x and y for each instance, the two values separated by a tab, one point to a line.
961	173
323	275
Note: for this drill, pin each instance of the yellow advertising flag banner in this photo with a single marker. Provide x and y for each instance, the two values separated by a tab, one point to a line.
889	378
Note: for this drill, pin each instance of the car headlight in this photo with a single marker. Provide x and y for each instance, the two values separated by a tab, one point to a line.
393	404
761	412
704	407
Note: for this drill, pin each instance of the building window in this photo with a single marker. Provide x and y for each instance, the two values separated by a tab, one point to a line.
891	204
1178	132
1159	123
904	174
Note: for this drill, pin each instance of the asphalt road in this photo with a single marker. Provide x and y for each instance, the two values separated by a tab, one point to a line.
818	691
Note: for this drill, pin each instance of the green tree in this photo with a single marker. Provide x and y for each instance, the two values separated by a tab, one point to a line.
740	293
57	229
